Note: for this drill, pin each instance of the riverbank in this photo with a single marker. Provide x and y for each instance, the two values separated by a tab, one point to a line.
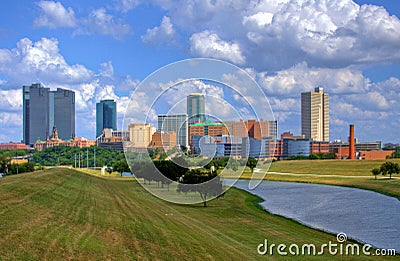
335	209
354	173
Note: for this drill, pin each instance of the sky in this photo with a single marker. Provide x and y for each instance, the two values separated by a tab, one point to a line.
104	49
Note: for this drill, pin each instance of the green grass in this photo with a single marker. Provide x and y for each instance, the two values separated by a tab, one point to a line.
328	167
63	214
349	173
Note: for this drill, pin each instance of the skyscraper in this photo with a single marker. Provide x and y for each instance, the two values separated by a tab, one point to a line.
177	123
106	116
196	108
62	113
315	115
43	109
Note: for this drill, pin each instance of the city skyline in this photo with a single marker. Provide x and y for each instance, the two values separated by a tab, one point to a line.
103	50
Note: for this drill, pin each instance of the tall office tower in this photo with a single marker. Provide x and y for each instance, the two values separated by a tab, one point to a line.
35	113
43	109
177	123
315	115
62	113
106	116
196	108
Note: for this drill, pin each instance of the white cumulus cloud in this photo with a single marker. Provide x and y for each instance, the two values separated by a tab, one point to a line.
54	14
164	33
100	22
208	44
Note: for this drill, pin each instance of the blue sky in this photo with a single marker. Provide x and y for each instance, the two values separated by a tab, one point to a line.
103	49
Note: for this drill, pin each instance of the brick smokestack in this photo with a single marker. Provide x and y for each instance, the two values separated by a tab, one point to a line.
352	149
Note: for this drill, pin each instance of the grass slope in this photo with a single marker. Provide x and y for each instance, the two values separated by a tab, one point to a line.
65	214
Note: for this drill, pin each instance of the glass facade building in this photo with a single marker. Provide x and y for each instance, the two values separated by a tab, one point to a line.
177	123
106	116
196	108
43	109
221	146
62	114
296	147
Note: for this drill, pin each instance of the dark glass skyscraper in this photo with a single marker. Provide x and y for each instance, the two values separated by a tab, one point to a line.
196	108
64	113
43	109
106	116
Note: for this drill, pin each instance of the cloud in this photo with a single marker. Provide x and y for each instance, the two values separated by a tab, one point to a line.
102	23
30	62
164	33
10	120
274	35
54	15
301	77
126	5
99	22
39	61
11	100
208	44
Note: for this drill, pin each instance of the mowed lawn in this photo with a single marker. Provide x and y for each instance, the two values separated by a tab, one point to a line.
328	167
63	214
349	173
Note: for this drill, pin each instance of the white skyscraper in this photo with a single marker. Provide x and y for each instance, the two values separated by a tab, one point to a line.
315	115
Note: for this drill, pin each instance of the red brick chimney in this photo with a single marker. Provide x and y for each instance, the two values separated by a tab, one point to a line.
352	149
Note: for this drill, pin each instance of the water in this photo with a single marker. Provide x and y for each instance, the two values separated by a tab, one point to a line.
363	215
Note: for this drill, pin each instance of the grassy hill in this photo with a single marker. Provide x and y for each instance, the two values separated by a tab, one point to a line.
64	214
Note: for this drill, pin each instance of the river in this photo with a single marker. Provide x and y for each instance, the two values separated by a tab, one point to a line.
363	215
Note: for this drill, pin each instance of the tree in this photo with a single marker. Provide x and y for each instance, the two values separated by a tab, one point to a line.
206	183
234	165
395	155
4	162
389	168
121	166
375	172
170	171
251	163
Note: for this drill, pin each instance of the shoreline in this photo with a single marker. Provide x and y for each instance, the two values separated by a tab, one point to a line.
349	238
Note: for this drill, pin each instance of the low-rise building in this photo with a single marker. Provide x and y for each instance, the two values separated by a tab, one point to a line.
55	141
163	140
262	148
375	155
221	146
113	139
319	147
207	128
13	146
